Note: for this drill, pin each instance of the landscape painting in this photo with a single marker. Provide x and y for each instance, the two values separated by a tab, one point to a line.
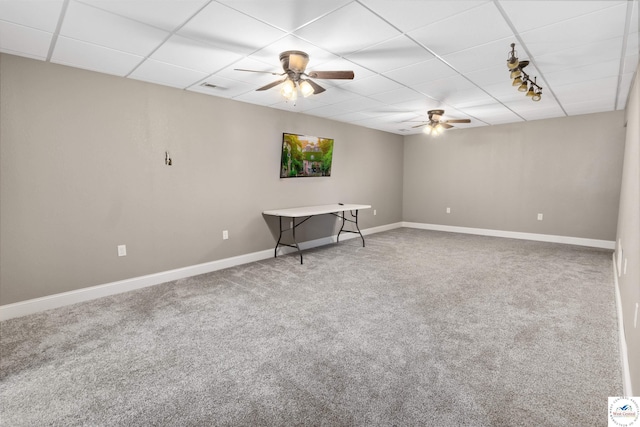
305	156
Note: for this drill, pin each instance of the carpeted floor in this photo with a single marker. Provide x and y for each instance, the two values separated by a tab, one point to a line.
417	328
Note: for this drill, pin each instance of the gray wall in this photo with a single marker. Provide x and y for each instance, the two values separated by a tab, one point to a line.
501	177
628	235
82	171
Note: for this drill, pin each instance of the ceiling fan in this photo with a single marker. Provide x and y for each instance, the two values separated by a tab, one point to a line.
436	124
294	64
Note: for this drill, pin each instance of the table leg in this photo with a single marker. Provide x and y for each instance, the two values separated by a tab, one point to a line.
355	221
275	251
293	231
295	242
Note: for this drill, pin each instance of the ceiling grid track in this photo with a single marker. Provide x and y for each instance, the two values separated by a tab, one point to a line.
54	39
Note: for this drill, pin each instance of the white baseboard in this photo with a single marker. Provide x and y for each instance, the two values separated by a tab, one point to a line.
624	355
36	305
604	244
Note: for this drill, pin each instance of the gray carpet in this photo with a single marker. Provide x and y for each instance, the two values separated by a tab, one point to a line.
417	328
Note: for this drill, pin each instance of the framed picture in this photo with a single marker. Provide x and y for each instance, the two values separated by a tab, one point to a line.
305	156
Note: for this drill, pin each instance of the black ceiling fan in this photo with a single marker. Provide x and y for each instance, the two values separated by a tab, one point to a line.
294	64
436	124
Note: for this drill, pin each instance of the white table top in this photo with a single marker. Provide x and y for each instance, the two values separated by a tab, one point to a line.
315	210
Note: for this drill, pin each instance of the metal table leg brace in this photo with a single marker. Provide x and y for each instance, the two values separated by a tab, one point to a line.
293	233
353	221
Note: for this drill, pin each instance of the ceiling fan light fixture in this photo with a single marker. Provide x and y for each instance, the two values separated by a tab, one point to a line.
427	129
306	88
289	90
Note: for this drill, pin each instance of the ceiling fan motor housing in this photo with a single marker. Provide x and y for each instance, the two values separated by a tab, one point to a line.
294	61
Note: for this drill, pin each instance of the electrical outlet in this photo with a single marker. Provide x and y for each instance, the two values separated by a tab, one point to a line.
122	250
448	210
225	234
374	212
539	217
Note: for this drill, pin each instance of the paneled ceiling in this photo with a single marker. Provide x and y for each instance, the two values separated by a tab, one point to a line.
409	56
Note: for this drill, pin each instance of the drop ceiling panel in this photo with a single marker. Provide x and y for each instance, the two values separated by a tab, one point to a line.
391	54
289	15
416	74
347	30
20	40
587	89
38	14
524	14
93	57
327	111
481	57
395	96
586	54
300	105
167	74
444	88
474	27
358	103
584	74
493	114
371	85
195	55
490	76
228	29
589	106
504	92
418	106
575	32
530	110
96	26
408	15
163	14
468	98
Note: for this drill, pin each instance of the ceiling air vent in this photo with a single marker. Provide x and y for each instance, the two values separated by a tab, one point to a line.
209	85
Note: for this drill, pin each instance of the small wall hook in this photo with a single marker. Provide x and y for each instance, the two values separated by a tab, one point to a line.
167	159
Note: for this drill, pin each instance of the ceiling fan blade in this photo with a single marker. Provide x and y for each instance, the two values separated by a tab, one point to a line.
348	75
272	84
458	121
298	62
445	125
316	87
256	71
418	126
